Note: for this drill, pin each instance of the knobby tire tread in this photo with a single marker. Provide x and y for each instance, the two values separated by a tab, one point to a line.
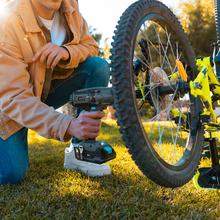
125	112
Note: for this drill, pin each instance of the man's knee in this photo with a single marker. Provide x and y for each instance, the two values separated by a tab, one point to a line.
106	69
100	68
13	175
101	64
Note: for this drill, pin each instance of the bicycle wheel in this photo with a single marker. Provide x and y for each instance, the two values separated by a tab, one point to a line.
159	122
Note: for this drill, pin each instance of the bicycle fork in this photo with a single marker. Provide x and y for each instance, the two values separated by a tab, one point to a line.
205	83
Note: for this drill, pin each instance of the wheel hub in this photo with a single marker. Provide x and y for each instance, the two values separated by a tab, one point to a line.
158	77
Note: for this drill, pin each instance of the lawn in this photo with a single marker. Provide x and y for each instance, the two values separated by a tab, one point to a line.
50	192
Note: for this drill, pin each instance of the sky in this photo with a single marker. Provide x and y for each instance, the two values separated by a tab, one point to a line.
103	15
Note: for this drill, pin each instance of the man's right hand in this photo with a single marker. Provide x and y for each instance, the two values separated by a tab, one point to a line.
86	126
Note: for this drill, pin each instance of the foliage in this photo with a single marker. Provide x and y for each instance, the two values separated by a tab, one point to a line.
104	52
198	21
50	192
97	36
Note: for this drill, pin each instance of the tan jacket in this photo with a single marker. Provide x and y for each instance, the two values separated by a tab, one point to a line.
21	81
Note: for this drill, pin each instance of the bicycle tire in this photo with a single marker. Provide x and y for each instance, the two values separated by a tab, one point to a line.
128	120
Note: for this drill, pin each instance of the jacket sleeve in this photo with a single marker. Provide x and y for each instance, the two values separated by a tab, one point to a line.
85	47
17	100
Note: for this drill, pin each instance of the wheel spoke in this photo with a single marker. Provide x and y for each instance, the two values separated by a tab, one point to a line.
156	48
171	47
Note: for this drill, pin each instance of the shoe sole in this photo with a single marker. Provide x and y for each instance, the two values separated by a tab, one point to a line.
91	173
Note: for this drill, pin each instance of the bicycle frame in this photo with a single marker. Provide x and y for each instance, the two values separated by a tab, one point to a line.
205	84
206	87
200	87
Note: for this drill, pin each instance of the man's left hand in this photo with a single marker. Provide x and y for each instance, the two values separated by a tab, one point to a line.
51	54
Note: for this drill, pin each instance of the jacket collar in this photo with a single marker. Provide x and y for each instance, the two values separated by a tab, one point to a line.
28	16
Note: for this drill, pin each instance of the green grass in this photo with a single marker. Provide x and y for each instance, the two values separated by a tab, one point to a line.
50	192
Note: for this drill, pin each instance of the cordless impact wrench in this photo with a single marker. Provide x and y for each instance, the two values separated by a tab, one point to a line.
93	99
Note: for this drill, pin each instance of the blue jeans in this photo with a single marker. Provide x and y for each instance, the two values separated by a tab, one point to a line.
93	72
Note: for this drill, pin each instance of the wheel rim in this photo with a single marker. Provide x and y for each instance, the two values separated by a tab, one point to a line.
155	52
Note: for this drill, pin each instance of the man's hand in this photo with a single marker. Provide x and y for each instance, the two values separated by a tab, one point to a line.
51	54
86	126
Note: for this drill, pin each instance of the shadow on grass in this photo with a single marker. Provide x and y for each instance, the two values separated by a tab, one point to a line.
49	191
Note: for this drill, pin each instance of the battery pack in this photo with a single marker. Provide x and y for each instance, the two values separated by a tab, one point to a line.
94	151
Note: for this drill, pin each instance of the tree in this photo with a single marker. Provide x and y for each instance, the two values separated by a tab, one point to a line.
198	20
97	36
